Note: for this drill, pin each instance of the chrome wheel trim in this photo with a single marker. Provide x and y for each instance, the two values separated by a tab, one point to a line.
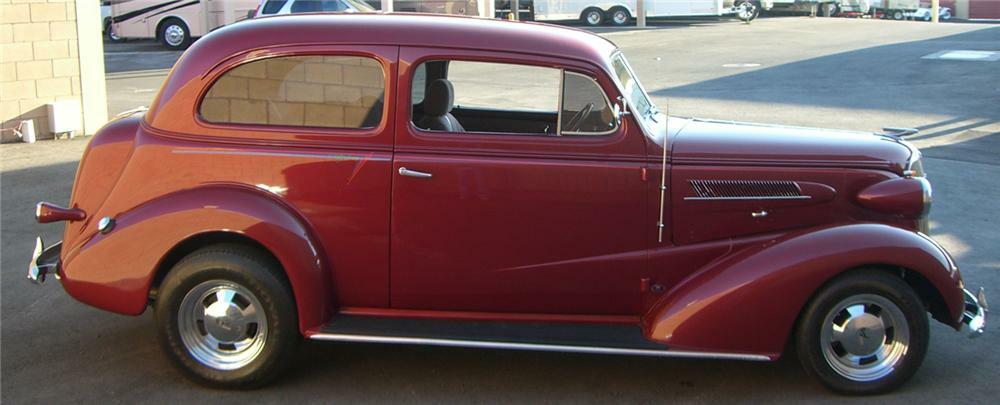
619	17
594	17
112	34
222	325
746	10
174	35
865	337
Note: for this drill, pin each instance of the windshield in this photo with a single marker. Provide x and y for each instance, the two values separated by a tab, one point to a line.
634	93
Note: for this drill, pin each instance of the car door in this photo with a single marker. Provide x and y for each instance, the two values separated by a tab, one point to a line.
518	212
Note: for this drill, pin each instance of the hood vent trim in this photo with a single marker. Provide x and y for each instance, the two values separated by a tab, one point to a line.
745	190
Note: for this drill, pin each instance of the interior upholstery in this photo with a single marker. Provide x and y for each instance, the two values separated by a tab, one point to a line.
438	102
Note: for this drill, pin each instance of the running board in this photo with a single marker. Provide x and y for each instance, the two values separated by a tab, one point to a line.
532	336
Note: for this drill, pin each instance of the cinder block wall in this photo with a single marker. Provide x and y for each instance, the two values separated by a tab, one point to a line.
39	61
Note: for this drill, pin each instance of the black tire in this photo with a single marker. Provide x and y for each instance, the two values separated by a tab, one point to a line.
619	16
898	15
233	266
908	337
592	16
174	34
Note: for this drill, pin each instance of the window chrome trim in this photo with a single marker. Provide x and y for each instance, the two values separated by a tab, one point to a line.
607	103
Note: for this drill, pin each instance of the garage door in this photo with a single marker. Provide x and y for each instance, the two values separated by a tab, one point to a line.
984	9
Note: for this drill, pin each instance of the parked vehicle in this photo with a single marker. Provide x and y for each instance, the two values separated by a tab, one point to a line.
619	13
532	197
895	9
924	14
458	7
173	23
821	7
274	7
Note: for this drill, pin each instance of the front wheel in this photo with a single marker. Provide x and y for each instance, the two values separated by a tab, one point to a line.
226	317
747	10
865	333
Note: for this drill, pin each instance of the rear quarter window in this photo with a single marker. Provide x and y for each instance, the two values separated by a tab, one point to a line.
306	91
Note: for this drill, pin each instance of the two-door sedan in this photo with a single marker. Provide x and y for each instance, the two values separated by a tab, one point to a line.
463	182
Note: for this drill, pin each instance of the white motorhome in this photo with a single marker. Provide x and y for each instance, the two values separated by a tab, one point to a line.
175	23
621	12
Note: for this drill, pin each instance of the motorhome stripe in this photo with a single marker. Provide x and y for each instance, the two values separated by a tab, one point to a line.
190	3
133	14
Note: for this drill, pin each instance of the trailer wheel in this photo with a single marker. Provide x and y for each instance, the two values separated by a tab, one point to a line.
109	32
174	34
620	16
830	9
592	16
897	15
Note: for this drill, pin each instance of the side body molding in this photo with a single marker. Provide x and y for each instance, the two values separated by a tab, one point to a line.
115	271
749	301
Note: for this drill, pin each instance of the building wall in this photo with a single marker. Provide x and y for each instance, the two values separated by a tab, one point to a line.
40	63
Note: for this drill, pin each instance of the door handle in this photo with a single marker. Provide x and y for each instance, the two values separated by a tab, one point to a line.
413	173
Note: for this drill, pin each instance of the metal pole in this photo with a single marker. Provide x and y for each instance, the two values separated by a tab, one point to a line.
640	10
387	6
934	11
515	9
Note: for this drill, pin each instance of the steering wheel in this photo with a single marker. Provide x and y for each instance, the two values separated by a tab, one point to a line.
575	122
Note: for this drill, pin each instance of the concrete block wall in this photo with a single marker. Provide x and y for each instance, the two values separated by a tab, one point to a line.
318	91
40	60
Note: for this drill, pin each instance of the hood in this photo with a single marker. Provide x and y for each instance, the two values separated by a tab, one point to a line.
696	141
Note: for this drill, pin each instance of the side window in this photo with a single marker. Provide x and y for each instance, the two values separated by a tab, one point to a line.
585	109
273	6
466	96
502	86
309	91
503	98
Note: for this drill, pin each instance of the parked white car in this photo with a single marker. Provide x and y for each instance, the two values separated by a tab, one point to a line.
944	14
274	7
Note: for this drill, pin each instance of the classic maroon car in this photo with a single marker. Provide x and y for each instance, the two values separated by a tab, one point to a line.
463	182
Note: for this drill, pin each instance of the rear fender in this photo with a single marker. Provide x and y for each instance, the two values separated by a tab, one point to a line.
749	301
115	271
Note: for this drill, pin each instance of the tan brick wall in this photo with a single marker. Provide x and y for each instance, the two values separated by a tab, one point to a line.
319	91
38	62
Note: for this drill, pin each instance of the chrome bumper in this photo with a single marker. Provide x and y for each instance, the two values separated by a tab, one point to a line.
43	261
974	315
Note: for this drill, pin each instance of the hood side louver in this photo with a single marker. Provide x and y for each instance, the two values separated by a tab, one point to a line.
745	189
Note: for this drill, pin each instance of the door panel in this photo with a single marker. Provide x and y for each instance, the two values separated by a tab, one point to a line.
505	234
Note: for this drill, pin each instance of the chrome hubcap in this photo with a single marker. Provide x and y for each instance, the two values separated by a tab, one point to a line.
746	10
620	17
593	18
865	337
174	35
222	325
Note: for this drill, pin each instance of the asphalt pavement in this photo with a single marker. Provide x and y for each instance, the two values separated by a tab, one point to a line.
839	73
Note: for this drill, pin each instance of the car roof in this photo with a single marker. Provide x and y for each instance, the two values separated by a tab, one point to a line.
408	29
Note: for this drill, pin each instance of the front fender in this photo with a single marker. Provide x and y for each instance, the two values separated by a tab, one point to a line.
749	301
115	271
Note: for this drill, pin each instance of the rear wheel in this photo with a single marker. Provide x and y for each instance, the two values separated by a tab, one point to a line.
898	15
226	317
174	34
592	17
620	16
865	333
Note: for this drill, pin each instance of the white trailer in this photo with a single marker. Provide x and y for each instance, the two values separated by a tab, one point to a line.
621	12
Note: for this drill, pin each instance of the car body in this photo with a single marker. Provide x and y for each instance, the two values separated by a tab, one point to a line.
409	179
273	7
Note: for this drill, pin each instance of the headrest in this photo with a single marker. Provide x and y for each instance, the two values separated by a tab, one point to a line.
439	98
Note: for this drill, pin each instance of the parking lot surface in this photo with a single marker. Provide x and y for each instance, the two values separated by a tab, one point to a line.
840	73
